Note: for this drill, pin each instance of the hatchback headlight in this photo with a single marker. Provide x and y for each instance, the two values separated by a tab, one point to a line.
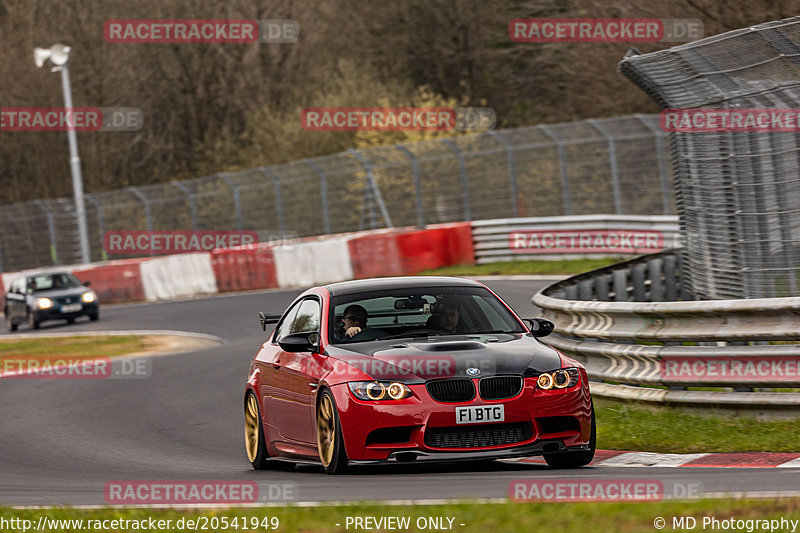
88	297
563	378
379	390
44	303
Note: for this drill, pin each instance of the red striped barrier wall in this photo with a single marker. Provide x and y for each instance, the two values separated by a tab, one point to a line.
244	268
119	281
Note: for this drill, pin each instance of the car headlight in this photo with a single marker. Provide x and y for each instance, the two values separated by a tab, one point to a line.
88	297
379	390
44	303
563	378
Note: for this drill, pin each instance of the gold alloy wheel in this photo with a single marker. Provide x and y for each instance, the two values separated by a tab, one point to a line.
326	429
251	432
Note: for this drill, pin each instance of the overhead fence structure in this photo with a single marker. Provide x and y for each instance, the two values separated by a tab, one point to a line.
738	191
613	166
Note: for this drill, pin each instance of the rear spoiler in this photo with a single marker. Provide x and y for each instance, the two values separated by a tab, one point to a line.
267	319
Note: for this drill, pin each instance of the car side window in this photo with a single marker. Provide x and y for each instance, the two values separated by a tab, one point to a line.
308	317
285	325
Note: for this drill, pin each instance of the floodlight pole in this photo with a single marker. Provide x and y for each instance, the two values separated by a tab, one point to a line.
75	167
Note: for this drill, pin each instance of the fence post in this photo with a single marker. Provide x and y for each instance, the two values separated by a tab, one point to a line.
612	159
237	202
278	199
373	186
512	171
51	227
658	137
462	174
417	187
323	188
562	166
192	204
101	224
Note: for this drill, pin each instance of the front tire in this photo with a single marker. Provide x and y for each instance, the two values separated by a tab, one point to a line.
12	326
575	459
94	317
254	442
330	441
33	322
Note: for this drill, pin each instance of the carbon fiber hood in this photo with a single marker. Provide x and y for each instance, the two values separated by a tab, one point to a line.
416	360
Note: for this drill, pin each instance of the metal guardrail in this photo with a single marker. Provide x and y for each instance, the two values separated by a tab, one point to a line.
494	238
615	322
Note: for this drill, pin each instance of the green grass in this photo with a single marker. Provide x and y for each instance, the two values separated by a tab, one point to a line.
566	266
626	426
73	347
508	517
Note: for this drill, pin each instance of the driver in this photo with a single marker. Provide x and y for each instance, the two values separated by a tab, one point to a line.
354	320
448	319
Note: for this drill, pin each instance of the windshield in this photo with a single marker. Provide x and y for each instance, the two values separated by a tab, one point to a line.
422	312
52	282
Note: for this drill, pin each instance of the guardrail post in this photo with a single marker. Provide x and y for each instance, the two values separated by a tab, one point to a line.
278	200
323	191
512	171
101	223
654	267
373	186
192	203
417	187
670	279
562	165
620	284
585	290
51	227
462	174
601	287
658	137
237	202
637	280
612	158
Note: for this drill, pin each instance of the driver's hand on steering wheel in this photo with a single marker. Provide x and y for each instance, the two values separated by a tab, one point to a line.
352	331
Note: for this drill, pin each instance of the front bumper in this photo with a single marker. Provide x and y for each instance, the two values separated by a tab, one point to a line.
54	313
539	448
361	420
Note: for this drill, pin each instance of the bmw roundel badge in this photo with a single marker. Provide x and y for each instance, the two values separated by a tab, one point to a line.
473	371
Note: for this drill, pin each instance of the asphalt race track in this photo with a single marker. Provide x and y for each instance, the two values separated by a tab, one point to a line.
62	440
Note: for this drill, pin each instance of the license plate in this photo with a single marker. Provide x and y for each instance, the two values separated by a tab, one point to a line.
480	414
71	308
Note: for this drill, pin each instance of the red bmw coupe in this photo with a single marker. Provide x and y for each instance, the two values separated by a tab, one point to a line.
408	369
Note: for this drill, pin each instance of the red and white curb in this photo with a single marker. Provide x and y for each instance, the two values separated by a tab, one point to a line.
673	460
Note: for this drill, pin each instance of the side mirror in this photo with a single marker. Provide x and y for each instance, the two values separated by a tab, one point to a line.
87	283
540	327
299	342
267	319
